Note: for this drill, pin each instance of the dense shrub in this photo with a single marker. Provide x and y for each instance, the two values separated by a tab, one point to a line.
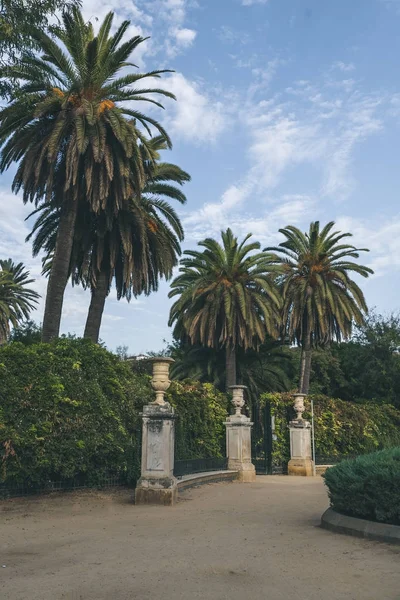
367	487
68	408
71	409
341	428
201	411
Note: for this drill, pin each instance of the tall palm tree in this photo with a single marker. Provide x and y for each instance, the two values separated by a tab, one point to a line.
73	131
320	300
16	299
226	298
140	244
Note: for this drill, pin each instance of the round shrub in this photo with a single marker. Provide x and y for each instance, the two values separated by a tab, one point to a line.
367	487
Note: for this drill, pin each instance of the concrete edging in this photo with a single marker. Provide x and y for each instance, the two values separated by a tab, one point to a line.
188	481
371	530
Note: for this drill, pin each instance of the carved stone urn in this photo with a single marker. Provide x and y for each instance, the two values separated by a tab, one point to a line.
160	381
238	398
299	405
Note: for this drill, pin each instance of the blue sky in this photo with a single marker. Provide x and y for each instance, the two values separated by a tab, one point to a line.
288	111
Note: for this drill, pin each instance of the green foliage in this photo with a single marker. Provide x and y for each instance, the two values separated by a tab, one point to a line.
366	369
320	300
341	428
18	18
201	411
16	298
271	368
67	409
72	409
226	297
27	333
73	135
367	487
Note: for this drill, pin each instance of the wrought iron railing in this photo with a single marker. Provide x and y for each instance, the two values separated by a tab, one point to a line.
76	483
199	465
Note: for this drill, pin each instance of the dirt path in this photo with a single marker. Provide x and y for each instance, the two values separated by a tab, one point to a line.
224	541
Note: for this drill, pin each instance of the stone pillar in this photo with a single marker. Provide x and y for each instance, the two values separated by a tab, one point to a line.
238	439
157	484
301	462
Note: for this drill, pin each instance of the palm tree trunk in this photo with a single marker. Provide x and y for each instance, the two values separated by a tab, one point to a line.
230	367
99	295
4	333
302	367
59	273
306	353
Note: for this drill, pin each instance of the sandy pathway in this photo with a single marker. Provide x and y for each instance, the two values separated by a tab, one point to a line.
222	541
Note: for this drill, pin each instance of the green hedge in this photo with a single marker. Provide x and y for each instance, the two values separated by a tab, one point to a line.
71	409
201	412
341	428
367	487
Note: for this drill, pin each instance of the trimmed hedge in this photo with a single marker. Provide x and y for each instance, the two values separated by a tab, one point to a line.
367	487
201	411
71	410
341	428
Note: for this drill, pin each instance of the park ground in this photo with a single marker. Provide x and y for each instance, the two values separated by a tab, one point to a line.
223	541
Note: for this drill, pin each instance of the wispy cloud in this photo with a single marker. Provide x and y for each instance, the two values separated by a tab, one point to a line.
345	67
252	2
314	126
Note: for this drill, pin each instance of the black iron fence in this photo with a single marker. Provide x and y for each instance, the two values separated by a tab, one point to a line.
199	465
77	483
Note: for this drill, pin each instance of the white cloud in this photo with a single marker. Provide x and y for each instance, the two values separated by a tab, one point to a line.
197	115
345	67
318	130
252	2
185	37
380	236
179	40
359	122
177	37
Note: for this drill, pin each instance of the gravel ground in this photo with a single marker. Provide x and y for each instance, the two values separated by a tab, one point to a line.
222	541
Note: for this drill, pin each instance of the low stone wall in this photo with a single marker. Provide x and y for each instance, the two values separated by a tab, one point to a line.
382	532
188	481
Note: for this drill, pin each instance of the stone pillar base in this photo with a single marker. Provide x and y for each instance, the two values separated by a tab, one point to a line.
304	467
238	447
246	470
301	462
150	495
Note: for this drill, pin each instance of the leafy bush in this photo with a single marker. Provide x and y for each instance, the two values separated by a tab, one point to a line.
71	409
201	411
68	408
367	487
341	428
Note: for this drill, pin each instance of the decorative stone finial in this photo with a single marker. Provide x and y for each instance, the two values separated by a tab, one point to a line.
299	405
160	381
238	399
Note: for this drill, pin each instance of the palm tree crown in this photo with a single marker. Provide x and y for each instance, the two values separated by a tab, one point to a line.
226	297
16	299
320	300
73	133
137	247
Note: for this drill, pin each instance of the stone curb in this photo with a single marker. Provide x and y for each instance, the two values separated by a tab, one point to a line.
189	481
371	530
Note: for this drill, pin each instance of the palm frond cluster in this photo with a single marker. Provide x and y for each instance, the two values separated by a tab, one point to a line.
87	160
16	299
233	297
